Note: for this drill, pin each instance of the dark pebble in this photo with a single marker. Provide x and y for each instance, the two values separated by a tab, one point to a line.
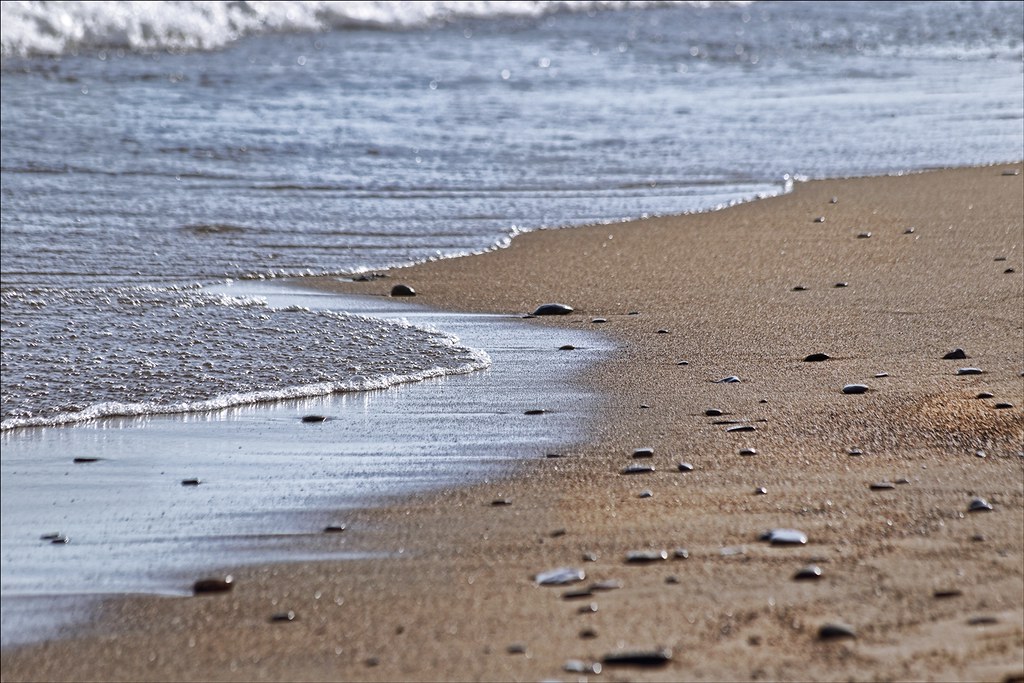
567	347
681	554
643	453
840	285
372	661
644	406
553	309
999	258
516	649
685	467
85	459
969	371
908	231
760	491
863	235
560	576
662	331
646	493
799	288
672	580
190	482
835	632
955	354
1012	171
855	389
816	357
283	616
598	321
748	451
741	428
985	394
1008	271
577	595
979	505
855	451
1003	406
51	536
534	411
819	219
217	585
646	556
403	290
558	533
500	502
982	621
588	633
590	557
60	540
554	455
731	379
334	528
811	572
587	609
882	486
947	593
784	537
637	469
683	362
314	418
714	412
642	658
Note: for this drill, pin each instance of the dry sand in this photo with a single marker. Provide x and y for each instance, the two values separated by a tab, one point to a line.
722	285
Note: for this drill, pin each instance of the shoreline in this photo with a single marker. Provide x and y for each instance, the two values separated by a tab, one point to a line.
462	605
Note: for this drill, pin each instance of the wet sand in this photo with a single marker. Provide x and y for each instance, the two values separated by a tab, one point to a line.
930	590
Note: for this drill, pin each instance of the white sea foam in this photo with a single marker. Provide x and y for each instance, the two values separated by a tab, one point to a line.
49	28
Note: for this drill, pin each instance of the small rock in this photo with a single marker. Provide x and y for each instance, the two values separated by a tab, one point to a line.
641	658
403	290
982	621
283	616
741	428
834	200
799	288
816	357
560	576
955	354
534	411
646	556
855	451
646	493
811	572
588	634
334	528
882	486
748	451
567	347
576	595
501	502
1011	171
840	285
598	321
985	394
60	540
947	593
835	632
681	554
760	491
999	258
683	362
662	331
578	666
587	609
731	379
214	585
685	467
714	412
51	536
863	235
314	418
908	231
589	557
969	371
558	533
902	480
1008	271
553	309
880	375
784	537
637	469
372	661
85	459
516	649
643	453
980	454
672	580
979	505
855	389
190	482
819	219
1003	406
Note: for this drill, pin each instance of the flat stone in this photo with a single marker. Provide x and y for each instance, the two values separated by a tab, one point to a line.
855	451
882	486
672	579
944	593
741	428
588	634
637	469
60	540
799	288
85	459
985	394
683	362
578	666
283	616
819	219
1008	271
908	231
714	412
663	331
334	528
685	467
817	358
902	481
598	321
646	493
558	533
516	649
51	536
1011	171
731	379
840	285
855	389
955	354
880	375
863	235
501	502
1002	406
979	505
969	371
587	609
982	621
566	347
190	482
553	309
314	418
811	572
835	632
589	557
534	411
748	451
403	290
643	453
646	556
760	491
560	576
577	595
784	537
214	585
640	658
681	554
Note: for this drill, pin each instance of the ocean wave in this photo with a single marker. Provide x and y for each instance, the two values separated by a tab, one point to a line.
51	28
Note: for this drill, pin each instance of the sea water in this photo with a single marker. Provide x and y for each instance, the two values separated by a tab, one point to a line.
152	150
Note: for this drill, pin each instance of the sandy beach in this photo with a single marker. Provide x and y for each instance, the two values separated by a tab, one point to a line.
926	589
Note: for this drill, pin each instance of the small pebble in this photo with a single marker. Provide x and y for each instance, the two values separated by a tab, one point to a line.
969	371
855	389
947	593
558	533
681	554
534	411
567	347
760	491
1011	171
816	357
587	609
999	258
982	621
662	331
516	649
784	537
553	309
60	540
646	493
501	502
685	467
372	661
879	375
979	505
882	486
588	634
1008	271
403	290
314	418
840	285
985	394
1003	406
672	580
714	412
834	200
835	632
190	482
85	459
811	572
589	557
334	528
731	379
855	451
748	451
598	321
576	595
560	576
637	469
283	616
799	288
646	556
643	453
683	362
902	480
51	536
741	428
908	231
578	666
863	235
214	585
819	219
955	354
641	658
980	454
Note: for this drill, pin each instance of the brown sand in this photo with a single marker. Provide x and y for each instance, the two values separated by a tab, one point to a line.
722	283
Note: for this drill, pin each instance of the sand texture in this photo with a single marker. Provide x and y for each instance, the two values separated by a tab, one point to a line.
459	602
